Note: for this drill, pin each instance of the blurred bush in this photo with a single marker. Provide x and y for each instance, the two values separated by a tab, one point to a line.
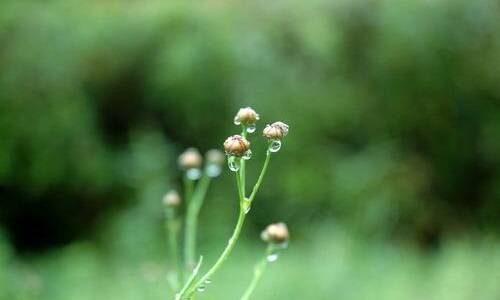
393	106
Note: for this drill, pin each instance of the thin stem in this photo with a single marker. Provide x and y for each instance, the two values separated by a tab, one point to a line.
229	247
261	176
188	188
243	164
188	193
192	213
172	230
257	274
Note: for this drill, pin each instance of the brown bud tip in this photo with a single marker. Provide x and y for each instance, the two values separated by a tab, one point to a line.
276	131
236	145
215	157
276	233
190	159
246	116
172	198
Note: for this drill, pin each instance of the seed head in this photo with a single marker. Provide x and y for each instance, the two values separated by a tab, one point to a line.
276	131
276	233
190	159
172	199
236	145
215	157
246	116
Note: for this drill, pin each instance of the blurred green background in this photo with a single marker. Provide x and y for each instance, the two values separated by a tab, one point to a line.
389	179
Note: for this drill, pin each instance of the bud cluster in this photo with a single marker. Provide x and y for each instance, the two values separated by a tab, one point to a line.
237	146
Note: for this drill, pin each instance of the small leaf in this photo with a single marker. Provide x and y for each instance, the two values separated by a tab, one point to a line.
190	280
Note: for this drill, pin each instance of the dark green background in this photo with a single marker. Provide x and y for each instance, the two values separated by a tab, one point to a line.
389	179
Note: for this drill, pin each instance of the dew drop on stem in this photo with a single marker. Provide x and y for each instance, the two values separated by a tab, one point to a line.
275	146
193	174
201	288
213	170
272	257
233	163
247	155
251	128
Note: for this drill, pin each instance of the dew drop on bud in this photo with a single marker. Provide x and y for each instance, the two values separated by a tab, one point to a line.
283	245
272	257
193	174
208	281
275	146
247	155
201	288
233	163
213	170
251	128
237	121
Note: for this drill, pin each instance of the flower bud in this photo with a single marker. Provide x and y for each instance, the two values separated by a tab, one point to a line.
276	131
215	157
190	159
276	233
236	145
172	199
246	116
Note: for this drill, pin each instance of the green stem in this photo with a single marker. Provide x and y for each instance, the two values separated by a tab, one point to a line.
172	229
192	213
261	177
243	164
257	274
188	188
229	247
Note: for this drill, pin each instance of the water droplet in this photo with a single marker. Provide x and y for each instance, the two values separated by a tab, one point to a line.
251	128
208	281
193	174
213	170
272	257
275	146
283	245
247	155
233	163
237	121
201	288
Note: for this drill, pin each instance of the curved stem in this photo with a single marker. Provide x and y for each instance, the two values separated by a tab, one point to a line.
257	274
192	213
261	176
230	244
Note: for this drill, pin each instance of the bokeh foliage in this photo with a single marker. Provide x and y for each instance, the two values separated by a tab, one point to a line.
393	105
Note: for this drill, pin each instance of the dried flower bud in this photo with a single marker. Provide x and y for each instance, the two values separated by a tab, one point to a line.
190	159
172	199
276	233
215	157
246	116
276	131
236	145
